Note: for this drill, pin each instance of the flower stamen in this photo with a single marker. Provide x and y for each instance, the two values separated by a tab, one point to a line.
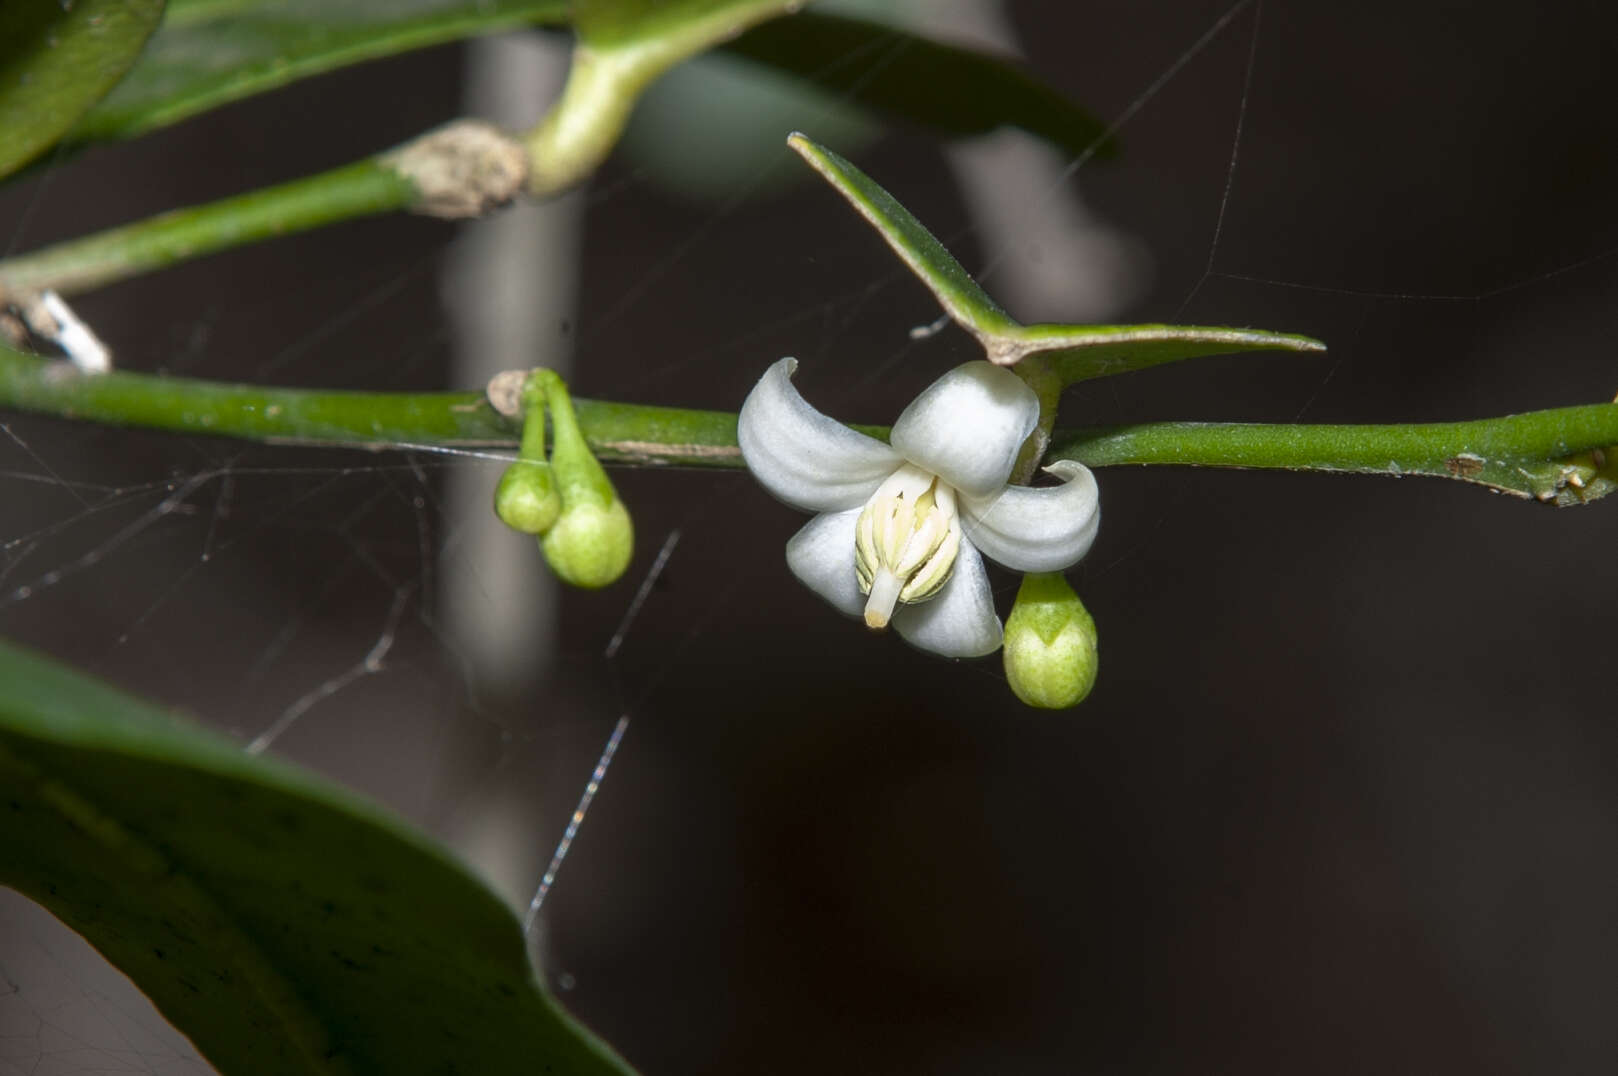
905	542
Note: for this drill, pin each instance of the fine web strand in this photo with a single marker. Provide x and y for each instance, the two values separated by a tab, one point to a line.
592	786
662	559
1235	155
1136	104
369	665
95	556
45	466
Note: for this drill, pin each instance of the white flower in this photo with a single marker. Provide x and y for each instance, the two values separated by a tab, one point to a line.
901	527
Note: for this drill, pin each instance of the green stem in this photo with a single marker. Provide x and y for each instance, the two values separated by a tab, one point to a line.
78	265
1038	374
611	66
567	145
579	476
532	446
577	134
622	432
1543	454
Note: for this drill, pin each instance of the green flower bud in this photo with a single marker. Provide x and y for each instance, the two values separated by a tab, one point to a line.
591	544
592	541
1050	644
526	499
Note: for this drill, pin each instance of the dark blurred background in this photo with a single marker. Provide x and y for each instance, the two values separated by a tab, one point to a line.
1344	797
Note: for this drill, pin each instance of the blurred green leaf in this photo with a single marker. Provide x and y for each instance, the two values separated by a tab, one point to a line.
58	59
616	23
1077	352
281	923
952	90
210	52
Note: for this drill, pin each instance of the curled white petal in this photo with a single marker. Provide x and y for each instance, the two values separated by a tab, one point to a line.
1042	529
967	426
821	555
803	457
960	621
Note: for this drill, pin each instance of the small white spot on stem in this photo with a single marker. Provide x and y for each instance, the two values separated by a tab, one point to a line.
76	339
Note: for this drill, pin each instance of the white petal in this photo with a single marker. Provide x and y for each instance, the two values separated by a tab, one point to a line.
803	457
960	621
967	426
1037	529
821	555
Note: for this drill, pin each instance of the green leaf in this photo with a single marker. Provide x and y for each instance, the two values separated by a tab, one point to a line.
1077	352
1081	352
210	52
281	923
58	59
953	90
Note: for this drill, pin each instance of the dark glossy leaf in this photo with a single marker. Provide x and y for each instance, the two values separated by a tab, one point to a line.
281	923
950	89
56	60
210	52
1078	352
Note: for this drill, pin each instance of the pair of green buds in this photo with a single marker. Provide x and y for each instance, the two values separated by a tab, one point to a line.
1050	644
568	502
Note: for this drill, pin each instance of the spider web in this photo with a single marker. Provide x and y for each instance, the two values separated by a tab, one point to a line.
1344	792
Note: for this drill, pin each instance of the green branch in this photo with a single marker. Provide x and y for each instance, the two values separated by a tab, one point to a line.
78	265
1563	455
1560	456
462	169
377	420
623	46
